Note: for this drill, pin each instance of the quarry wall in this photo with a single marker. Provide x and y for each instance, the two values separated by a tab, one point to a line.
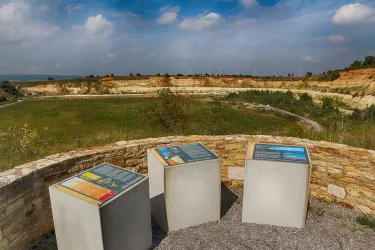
340	174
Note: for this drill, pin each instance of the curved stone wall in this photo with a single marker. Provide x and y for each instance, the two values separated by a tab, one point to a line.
340	173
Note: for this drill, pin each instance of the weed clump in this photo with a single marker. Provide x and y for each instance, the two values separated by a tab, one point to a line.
169	112
366	221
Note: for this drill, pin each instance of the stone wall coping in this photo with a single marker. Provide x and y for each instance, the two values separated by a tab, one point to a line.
17	174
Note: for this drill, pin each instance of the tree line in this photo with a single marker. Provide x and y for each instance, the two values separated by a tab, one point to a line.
368	62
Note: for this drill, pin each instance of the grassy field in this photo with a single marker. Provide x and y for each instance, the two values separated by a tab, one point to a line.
55	126
64	125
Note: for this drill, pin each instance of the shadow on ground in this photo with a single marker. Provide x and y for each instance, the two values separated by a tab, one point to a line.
157	234
227	200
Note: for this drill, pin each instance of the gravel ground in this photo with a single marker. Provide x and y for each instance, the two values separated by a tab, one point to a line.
329	226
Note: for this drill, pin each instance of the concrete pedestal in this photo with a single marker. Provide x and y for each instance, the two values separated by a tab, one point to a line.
276	188
106	207
185	186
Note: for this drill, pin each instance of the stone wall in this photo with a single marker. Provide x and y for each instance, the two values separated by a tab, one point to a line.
340	174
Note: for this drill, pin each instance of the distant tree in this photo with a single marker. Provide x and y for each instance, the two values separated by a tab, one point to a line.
158	74
112	75
138	74
50	78
369	60
107	75
2	98
91	75
329	72
335	75
288	75
97	76
324	73
356	64
306	98
293	74
308	74
166	75
131	74
327	105
356	115
178	74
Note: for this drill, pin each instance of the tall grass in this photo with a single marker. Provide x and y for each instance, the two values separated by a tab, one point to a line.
64	125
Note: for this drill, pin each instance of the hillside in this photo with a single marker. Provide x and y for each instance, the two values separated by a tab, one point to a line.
350	81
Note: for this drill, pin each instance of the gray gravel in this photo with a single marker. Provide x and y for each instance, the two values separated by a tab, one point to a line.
329	226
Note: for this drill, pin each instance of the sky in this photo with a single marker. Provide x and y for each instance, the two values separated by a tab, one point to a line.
258	37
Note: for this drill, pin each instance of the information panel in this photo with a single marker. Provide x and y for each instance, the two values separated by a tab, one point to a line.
102	182
270	152
176	155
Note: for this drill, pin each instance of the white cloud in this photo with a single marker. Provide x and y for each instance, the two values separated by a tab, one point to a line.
244	22
337	39
309	59
200	22
169	15
99	25
354	13
169	8
18	24
35	69
248	3
111	55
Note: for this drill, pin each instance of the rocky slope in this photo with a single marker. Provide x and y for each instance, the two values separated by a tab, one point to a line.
356	88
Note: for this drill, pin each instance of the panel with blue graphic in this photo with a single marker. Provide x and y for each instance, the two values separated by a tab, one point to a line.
269	152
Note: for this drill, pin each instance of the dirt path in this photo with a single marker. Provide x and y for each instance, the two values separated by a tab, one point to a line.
6	105
310	123
307	122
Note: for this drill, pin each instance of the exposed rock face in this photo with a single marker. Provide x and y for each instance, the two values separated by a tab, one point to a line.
353	92
340	174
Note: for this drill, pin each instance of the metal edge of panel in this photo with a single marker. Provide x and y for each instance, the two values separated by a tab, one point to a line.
146	178
250	151
306	149
89	199
159	158
77	195
191	163
210	151
166	165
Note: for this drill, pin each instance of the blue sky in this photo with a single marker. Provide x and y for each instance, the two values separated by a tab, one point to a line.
151	36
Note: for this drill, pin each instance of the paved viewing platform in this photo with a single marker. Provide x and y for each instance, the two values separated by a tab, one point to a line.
329	226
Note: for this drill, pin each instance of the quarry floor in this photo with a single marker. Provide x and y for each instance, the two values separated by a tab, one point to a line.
329	226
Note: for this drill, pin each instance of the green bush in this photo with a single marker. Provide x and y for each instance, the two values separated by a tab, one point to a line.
169	113
305	98
10	89
327	105
265	97
335	75
2	98
365	221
